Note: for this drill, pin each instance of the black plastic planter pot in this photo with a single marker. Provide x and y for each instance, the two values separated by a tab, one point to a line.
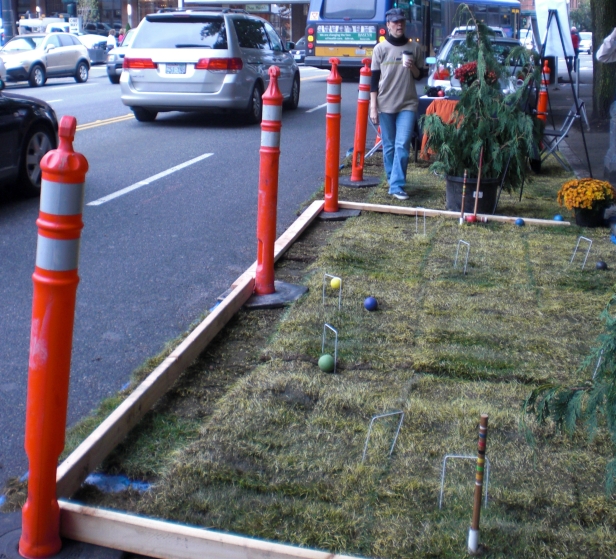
488	190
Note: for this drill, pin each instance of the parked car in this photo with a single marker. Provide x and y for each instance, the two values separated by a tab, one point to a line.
586	42
2	72
527	39
463	30
34	58
96	45
441	68
115	57
97	28
299	51
204	61
29	130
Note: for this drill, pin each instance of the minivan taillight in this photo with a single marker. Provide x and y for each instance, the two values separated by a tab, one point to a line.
138	64
230	65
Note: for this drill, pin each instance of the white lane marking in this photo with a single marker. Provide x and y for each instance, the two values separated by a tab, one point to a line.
147	181
63	86
316	108
54	101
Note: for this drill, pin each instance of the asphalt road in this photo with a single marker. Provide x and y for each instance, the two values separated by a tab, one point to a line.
154	259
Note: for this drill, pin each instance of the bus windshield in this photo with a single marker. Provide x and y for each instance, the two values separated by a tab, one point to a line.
357	9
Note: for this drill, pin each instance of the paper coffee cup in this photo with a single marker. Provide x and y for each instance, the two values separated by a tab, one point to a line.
407	56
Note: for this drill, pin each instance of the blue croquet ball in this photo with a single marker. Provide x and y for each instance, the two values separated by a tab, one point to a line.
371	304
558	217
326	363
519	222
601	265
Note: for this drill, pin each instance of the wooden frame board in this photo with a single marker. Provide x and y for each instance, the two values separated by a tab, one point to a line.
403	210
168	540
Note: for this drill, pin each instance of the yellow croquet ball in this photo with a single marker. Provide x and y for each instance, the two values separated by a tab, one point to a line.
335	283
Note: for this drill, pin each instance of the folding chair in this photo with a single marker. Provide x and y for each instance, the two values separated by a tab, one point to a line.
553	138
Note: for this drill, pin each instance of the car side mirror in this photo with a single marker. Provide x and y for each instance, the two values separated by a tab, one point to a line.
290	45
50	47
2	86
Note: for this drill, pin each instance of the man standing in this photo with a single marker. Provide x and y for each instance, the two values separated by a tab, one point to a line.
397	63
575	39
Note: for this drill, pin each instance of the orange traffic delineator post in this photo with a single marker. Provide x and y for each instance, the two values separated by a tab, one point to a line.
268	185
332	137
331	211
268	292
53	310
357	178
542	105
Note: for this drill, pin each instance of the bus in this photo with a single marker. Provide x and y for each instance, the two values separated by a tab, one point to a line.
350	29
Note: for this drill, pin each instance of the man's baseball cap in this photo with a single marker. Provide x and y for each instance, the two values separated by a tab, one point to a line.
395	14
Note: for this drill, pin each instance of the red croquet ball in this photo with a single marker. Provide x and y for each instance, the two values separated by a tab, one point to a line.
441	93
471	218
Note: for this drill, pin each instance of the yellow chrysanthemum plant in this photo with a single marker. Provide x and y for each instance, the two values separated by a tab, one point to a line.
589	194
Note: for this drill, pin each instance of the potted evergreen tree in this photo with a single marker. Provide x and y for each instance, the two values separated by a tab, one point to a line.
486	118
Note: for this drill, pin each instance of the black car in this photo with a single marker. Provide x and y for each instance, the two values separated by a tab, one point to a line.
28	130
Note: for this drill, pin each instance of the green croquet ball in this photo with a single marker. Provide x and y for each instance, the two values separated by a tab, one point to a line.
326	363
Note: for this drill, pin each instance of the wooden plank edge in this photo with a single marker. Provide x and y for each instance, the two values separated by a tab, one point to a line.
95	448
168	540
288	237
403	210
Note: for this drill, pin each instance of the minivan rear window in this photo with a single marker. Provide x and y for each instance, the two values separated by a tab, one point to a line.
176	32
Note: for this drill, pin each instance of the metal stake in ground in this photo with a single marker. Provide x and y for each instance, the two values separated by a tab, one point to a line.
268	293
589	241
478	183
53	313
393	444
473	533
468	249
357	179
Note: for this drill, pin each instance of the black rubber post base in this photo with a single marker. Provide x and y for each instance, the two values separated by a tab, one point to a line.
340	215
285	293
10	532
365	183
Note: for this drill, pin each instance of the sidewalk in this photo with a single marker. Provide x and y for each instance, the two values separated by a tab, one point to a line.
597	138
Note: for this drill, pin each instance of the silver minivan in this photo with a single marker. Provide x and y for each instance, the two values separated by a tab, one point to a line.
203	61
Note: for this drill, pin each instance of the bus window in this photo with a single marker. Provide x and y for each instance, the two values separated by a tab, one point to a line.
357	9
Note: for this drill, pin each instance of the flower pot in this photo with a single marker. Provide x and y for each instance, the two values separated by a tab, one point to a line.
488	190
589	218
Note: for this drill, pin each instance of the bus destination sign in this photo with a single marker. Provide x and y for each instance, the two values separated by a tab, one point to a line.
346	34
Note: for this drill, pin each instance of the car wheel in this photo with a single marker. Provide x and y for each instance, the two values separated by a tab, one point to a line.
114	79
293	101
144	115
82	72
37	76
38	142
255	107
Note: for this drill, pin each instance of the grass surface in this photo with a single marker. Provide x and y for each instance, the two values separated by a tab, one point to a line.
254	439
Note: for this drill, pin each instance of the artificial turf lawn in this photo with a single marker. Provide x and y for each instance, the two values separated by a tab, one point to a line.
273	449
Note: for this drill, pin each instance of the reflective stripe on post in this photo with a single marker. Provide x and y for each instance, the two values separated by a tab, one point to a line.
361	121
332	137
268	185
53	308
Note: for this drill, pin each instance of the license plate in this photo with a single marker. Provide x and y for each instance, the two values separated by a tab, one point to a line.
360	51
297	56
175	69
